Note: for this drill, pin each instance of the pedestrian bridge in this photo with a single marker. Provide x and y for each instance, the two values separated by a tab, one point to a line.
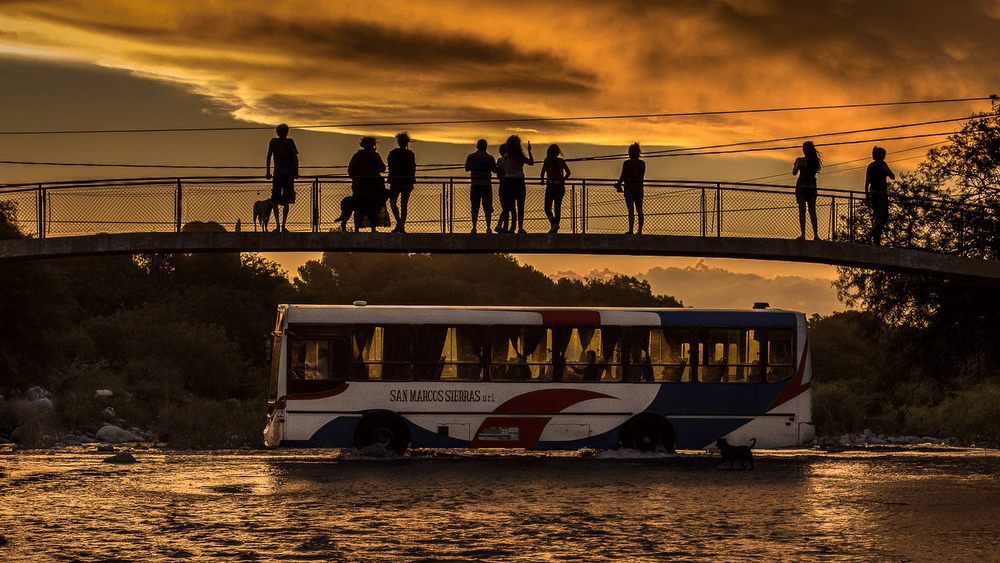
700	219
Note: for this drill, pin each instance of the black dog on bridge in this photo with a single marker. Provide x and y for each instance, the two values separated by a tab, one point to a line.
362	206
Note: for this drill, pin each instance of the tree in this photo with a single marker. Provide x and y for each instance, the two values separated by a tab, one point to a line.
34	332
458	279
946	327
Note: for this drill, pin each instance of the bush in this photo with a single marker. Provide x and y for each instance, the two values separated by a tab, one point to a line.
166	354
203	423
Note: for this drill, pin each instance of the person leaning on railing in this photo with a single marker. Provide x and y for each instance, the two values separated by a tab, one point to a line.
877	177
630	183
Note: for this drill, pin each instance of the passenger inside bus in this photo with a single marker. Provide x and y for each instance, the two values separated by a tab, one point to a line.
593	370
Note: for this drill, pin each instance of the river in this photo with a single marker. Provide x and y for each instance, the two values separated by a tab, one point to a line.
899	504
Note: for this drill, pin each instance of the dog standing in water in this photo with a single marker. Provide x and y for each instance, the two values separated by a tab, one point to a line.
732	454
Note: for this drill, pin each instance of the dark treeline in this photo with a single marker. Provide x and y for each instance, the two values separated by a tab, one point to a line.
924	357
179	339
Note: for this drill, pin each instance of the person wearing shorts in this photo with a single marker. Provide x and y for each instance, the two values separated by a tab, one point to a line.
481	167
286	169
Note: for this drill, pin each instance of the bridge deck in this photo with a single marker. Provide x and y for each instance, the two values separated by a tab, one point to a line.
789	250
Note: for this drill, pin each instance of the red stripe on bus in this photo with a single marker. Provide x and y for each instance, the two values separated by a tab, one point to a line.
547	401
571	318
795	387
333	393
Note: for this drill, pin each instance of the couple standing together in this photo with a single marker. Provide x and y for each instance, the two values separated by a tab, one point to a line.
512	190
877	177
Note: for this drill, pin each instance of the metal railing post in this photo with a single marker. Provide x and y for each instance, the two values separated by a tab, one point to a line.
833	218
572	205
583	206
704	213
451	205
177	207
444	195
718	210
315	205
850	219
41	210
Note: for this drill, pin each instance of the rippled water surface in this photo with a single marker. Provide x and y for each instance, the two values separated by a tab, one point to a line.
293	505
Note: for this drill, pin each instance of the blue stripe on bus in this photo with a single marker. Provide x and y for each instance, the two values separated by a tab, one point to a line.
716	398
740	319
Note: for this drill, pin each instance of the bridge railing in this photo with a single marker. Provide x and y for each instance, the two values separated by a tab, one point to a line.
442	205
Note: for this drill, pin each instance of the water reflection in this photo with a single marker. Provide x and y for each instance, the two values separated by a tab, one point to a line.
513	506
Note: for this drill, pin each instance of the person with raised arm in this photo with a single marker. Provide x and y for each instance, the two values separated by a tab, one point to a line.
514	162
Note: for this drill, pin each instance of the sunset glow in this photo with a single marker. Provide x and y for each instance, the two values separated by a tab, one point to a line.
320	63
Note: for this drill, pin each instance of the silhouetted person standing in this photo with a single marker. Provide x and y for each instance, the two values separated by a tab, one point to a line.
630	182
877	192
555	187
806	167
481	167
286	170
367	187
503	194
514	162
402	176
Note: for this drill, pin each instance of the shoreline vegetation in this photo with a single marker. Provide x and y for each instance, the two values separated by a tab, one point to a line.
171	346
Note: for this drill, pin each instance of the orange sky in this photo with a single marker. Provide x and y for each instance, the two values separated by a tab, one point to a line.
106	64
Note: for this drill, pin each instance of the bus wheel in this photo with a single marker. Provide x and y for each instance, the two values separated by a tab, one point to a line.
383	430
647	433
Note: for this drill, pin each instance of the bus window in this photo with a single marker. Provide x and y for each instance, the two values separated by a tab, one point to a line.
275	368
780	354
520	354
670	354
659	355
589	355
366	353
730	355
397	353
315	365
429	353
464	354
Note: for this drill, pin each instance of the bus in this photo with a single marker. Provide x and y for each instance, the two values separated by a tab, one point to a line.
537	378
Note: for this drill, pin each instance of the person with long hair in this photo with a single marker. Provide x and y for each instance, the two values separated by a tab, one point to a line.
503	194
402	176
555	187
806	167
630	183
514	161
367	185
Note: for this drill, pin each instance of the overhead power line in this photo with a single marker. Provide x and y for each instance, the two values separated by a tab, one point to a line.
993	97
696	151
667	152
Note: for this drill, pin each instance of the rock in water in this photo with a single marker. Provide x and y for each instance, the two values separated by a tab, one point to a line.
123	457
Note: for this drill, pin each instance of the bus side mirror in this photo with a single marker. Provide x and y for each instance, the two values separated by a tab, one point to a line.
268	348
